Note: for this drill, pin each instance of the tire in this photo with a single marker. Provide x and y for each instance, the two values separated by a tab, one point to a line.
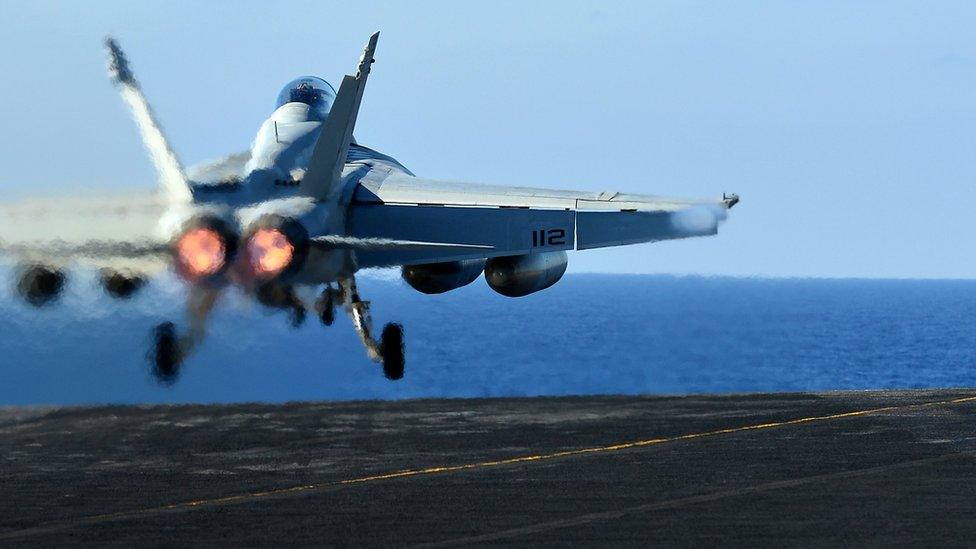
166	357
392	347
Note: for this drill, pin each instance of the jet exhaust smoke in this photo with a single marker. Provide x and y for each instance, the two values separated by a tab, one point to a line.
167	164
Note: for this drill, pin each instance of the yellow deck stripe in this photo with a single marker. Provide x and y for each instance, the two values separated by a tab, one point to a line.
684	501
279	492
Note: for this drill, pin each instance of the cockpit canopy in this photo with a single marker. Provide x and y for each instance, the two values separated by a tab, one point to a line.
311	90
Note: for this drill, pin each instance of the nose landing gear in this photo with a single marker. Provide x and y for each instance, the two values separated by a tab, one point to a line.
277	296
326	305
169	348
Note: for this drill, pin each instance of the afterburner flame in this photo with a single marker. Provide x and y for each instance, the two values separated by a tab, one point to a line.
201	252
269	252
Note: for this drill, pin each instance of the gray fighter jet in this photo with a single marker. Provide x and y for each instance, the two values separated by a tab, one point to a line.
291	221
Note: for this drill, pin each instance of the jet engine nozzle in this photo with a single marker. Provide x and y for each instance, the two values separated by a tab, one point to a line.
204	249
275	246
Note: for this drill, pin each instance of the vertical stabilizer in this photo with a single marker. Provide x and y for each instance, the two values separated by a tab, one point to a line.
322	179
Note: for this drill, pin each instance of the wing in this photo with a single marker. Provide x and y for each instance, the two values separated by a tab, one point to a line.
516	220
119	232
171	176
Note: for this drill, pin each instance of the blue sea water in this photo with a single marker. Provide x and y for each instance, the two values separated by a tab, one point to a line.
589	334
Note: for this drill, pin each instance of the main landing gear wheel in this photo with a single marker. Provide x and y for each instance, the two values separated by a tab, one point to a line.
391	347
166	356
388	351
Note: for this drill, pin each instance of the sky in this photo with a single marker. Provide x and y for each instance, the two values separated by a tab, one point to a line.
846	127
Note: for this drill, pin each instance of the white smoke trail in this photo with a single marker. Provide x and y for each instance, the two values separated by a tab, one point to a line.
167	164
351	242
701	220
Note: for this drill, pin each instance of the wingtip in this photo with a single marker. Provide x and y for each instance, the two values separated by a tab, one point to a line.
730	200
367	58
371	44
118	65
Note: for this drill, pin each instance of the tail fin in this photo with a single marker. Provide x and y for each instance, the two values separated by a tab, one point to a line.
171	175
325	166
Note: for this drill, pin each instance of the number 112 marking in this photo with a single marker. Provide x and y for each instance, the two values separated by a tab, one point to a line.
548	237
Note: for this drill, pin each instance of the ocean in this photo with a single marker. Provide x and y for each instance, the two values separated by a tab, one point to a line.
589	334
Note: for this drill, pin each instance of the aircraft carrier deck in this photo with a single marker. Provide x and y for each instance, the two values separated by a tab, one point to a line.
875	468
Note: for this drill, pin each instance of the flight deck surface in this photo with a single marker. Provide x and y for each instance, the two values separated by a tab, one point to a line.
811	469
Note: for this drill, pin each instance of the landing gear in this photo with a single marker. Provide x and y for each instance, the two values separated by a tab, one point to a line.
166	355
278	296
326	305
391	345
389	350
169	348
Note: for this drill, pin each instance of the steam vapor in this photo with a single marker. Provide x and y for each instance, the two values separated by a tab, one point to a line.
227	169
701	220
349	242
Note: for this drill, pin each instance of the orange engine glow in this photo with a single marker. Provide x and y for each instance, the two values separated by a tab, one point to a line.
201	252
269	252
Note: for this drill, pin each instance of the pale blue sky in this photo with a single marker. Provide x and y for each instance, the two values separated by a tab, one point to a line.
847	127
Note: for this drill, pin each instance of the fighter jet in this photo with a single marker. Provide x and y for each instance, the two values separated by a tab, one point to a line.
291	222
